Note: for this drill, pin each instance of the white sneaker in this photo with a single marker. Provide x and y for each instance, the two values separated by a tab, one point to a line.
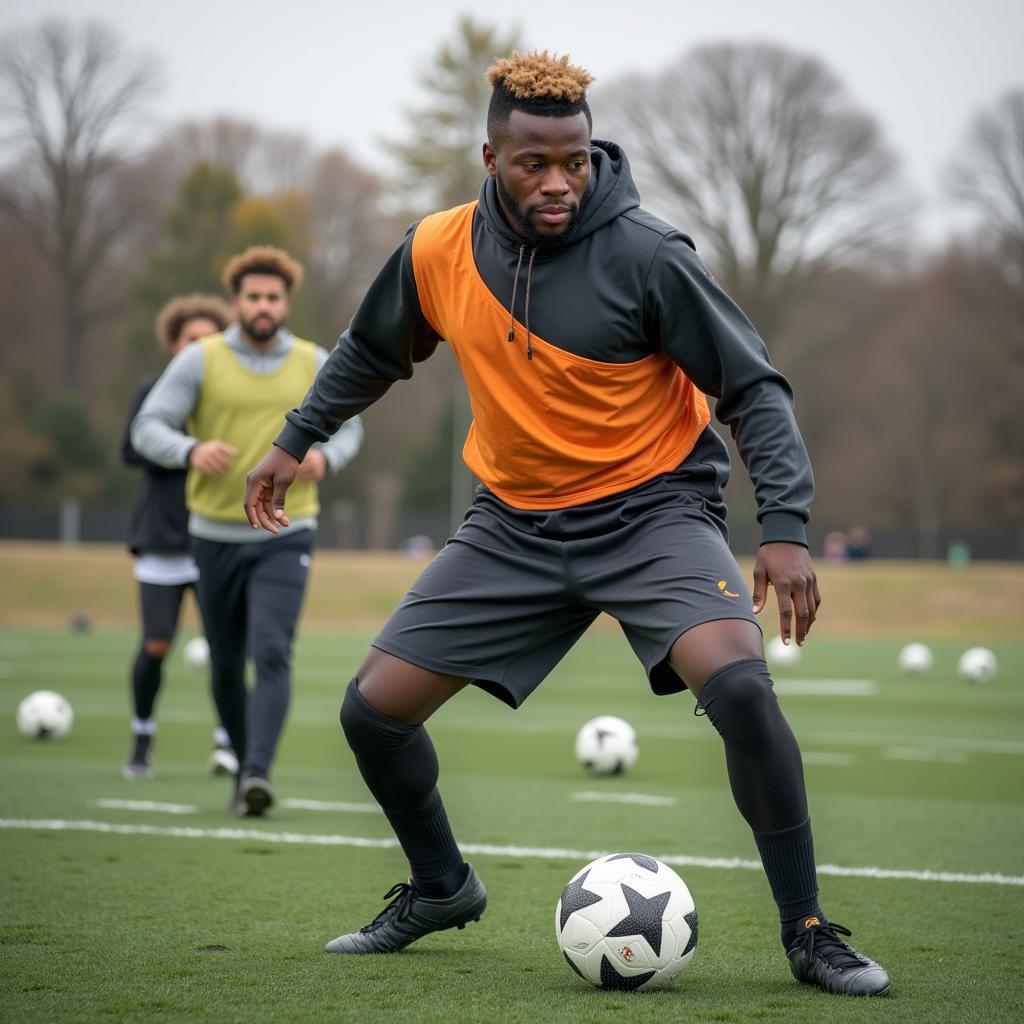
223	761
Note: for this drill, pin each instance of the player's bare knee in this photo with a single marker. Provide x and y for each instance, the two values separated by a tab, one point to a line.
156	648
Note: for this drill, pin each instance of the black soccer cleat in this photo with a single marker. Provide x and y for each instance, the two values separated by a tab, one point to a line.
256	796
409	916
819	957
139	764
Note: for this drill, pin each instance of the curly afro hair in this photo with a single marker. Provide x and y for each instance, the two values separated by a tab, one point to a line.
263	259
536	83
176	313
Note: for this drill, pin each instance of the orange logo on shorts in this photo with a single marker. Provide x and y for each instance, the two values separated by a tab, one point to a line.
728	593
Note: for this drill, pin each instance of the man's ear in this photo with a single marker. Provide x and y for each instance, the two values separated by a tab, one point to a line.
490	160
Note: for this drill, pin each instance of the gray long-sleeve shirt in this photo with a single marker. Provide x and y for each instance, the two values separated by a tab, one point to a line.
158	431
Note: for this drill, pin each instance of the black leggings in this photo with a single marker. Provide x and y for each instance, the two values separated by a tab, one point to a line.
250	595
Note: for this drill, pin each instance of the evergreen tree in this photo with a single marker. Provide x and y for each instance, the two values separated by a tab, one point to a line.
441	164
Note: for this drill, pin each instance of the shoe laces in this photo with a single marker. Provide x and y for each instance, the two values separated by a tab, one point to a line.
824	940
402	893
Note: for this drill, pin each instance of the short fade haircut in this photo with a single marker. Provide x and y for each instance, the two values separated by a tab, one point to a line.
535	83
172	318
263	259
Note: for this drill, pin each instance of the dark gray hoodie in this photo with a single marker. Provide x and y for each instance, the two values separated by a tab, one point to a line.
625	285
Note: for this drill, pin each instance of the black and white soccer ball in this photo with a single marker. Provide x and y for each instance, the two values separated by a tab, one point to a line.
977	665
627	921
606	745
45	715
196	653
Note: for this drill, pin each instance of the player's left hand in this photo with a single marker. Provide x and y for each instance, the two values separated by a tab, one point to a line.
313	466
788	568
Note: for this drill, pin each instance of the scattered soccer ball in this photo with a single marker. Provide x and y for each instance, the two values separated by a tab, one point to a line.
781	655
977	665
45	715
606	746
626	921
196	653
915	659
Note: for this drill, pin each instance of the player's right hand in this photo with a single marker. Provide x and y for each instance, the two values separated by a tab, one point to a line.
212	458
265	490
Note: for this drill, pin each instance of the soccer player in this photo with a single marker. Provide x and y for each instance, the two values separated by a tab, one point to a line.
215	409
589	334
158	538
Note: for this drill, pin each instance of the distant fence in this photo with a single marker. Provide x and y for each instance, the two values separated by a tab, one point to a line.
86	524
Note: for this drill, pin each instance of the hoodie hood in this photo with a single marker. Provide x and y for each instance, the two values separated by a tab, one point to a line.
611	192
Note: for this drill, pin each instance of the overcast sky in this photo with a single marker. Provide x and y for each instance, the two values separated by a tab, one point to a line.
344	73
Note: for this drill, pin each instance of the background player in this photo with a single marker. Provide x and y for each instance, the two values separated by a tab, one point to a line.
158	538
230	391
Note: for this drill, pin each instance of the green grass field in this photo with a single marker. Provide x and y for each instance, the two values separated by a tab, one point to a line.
142	915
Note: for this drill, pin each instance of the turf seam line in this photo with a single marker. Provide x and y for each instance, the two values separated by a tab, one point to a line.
487	849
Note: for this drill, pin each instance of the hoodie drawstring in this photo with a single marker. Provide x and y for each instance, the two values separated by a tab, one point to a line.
529	276
512	307
526	307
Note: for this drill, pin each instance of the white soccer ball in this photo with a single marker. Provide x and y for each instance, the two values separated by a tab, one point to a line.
915	659
782	655
977	665
606	745
45	715
626	921
196	653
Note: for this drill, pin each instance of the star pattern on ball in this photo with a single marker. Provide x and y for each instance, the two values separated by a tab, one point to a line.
575	897
644	917
639	859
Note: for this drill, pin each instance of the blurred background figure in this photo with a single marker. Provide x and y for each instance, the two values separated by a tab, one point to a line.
834	549
858	543
230	392
158	539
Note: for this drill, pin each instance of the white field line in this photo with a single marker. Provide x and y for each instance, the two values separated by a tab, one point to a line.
625	798
484	849
826	687
326	805
827	757
930	754
146	805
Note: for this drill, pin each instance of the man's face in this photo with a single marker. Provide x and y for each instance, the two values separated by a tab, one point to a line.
192	330
261	306
541	166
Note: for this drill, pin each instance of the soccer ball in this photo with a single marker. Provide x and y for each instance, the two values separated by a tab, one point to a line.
45	715
196	653
977	665
626	921
915	659
782	655
606	746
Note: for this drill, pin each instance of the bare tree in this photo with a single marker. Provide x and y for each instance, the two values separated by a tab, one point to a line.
265	160
760	154
65	95
989	176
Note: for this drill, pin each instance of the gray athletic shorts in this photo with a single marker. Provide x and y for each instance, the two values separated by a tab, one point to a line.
513	590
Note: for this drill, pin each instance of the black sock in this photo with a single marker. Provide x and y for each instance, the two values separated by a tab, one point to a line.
147	673
788	859
399	766
767	780
435	863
